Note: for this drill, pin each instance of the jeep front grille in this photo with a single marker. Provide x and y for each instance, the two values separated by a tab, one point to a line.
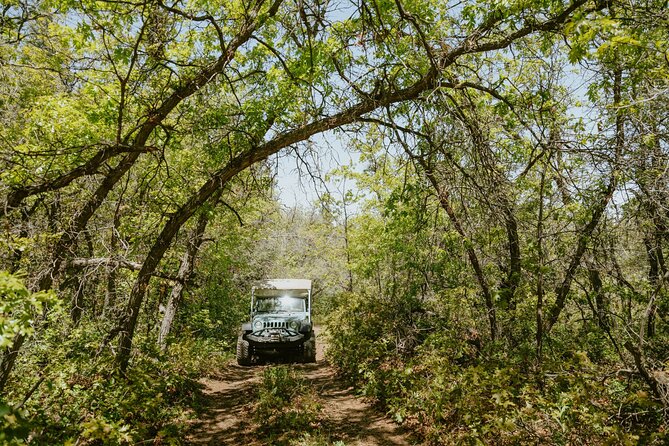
275	325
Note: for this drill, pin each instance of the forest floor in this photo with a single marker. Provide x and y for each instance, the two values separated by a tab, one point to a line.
346	419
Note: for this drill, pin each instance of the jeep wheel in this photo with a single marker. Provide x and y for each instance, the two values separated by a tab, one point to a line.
310	349
243	355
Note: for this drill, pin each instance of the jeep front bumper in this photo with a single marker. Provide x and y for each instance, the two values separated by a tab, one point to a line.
276	338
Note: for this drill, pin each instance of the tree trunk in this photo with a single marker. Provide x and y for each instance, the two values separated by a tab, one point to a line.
540	271
70	235
185	272
512	281
144	131
76	287
562	291
8	359
221	177
349	270
110	289
91	167
601	304
445	203
654	254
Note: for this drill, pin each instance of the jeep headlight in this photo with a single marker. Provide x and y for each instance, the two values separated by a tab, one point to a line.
295	325
257	325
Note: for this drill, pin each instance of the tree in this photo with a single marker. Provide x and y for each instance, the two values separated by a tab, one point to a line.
151	75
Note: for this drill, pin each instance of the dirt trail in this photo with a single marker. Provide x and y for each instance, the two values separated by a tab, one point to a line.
347	418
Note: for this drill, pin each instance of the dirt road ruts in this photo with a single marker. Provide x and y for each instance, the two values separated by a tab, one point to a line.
347	418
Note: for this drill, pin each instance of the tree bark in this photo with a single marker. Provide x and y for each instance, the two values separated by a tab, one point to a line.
655	261
512	281
585	234
185	272
349	269
444	200
540	271
601	304
494	194
143	132
643	371
8	359
221	177
110	289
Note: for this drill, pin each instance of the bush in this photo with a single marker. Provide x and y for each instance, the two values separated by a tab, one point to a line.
454	392
285	402
80	398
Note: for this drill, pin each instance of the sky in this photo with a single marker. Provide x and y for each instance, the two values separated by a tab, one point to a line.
299	185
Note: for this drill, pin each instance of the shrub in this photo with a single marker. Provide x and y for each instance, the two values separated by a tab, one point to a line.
452	392
80	398
285	402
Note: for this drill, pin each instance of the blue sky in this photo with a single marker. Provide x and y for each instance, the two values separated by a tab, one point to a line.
299	185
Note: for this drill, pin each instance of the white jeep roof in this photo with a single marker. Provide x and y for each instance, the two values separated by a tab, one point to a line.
291	286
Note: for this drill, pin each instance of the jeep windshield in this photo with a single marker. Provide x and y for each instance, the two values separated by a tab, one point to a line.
278	304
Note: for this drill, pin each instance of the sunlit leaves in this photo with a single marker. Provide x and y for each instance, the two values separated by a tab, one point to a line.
20	309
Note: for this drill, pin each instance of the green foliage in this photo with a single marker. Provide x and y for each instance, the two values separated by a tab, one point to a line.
285	402
318	439
455	394
114	114
20	309
14	425
79	399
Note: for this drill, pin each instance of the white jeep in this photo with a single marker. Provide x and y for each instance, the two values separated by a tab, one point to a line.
280	324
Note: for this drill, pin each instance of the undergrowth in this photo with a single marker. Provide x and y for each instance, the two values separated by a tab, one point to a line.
286	404
455	393
317	439
79	398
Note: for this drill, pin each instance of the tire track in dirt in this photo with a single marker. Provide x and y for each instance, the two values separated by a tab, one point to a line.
229	398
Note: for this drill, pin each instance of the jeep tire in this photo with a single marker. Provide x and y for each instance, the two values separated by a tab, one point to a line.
310	349
243	354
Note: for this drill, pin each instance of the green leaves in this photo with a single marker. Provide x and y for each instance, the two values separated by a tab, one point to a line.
286	402
14	427
20	309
